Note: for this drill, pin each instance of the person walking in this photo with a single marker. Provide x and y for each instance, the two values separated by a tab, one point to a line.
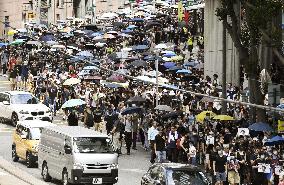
220	168
152	132
128	133
88	117
134	121
160	146
117	132
72	118
173	136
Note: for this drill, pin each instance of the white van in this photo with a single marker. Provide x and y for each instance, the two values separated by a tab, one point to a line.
77	155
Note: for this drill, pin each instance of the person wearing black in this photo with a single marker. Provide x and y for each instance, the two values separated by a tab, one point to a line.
160	146
98	119
88	117
52	94
72	119
173	136
110	118
117	132
220	168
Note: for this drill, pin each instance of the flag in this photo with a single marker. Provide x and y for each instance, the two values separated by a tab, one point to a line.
180	11
186	17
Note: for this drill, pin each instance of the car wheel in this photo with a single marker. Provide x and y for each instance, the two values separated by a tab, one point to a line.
44	173
14	154
65	178
14	119
29	160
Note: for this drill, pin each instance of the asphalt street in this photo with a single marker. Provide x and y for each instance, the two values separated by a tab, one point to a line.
131	168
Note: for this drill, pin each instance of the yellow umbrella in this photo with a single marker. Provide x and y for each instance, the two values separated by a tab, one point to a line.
11	32
200	117
176	58
124	85
224	118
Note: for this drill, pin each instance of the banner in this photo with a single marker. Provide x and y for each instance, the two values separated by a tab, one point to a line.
280	126
180	11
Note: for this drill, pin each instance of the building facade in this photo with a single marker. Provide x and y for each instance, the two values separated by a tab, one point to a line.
17	13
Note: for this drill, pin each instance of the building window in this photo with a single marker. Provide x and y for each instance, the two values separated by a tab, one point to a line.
57	3
57	16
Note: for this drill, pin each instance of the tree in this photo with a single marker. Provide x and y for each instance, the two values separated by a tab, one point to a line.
247	30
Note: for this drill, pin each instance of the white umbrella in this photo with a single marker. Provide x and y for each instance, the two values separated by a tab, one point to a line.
161	46
99	44
58	46
71	81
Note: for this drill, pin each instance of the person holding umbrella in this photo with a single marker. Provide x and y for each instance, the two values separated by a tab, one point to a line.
128	133
88	117
72	118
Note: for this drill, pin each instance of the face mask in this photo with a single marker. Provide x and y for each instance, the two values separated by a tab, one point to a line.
220	153
262	156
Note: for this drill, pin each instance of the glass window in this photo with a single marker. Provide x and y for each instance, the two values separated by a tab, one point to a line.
23	99
185	177
34	133
92	145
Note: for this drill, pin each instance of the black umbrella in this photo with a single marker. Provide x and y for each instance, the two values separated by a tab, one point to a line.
138	63
118	24
136	99
132	110
151	24
172	115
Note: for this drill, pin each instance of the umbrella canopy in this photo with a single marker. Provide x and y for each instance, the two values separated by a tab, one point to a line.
276	140
260	127
109	36
131	27
73	103
46	38
223	118
17	42
136	99
116	78
169	55
85	54
72	81
176	58
140	47
153	73
137	20
127	31
132	110
190	64
3	44
281	106
118	24
161	46
169	64
164	108
138	63
200	117
183	71
175	68
113	85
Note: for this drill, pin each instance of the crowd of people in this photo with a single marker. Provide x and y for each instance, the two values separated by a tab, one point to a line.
126	107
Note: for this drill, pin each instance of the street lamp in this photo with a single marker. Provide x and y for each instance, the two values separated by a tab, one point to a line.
157	76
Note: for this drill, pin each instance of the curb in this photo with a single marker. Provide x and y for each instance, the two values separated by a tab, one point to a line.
19	173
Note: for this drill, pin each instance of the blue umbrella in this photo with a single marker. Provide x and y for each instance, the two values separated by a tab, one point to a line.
276	140
169	64
132	110
127	31
73	103
96	34
48	38
112	85
260	127
131	27
169	55
175	68
140	47
137	20
190	64
281	106
169	86
85	54
184	71
150	57
3	44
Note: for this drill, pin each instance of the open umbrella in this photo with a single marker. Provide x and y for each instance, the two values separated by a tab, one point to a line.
71	81
73	103
175	68
276	140
183	71
161	46
138	63
46	38
176	58
260	127
109	36
137	20
113	85
132	110
164	108
85	54
140	47
169	64
200	117
17	42
136	99
281	106
169	55
223	118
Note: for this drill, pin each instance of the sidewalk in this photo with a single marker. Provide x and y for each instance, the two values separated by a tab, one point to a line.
8	179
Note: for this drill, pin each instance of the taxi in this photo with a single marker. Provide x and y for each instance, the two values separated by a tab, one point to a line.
26	139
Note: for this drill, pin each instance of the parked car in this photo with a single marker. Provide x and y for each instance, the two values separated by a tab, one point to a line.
19	105
77	155
174	174
26	139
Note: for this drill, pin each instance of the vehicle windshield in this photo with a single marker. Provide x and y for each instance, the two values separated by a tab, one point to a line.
92	145
34	133
185	177
23	99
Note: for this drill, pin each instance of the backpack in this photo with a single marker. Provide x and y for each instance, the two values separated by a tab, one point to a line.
90	120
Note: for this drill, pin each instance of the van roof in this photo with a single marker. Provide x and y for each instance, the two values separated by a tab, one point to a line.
76	131
35	123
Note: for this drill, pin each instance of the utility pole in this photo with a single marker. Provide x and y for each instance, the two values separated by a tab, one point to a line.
224	67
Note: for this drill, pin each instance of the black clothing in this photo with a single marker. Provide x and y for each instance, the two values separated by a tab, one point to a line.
160	142
98	116
89	120
72	119
220	163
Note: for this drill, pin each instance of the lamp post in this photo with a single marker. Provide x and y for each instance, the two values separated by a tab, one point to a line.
157	77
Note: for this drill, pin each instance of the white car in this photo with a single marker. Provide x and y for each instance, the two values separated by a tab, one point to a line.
19	105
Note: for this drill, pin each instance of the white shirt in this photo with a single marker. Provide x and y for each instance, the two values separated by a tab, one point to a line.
152	132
